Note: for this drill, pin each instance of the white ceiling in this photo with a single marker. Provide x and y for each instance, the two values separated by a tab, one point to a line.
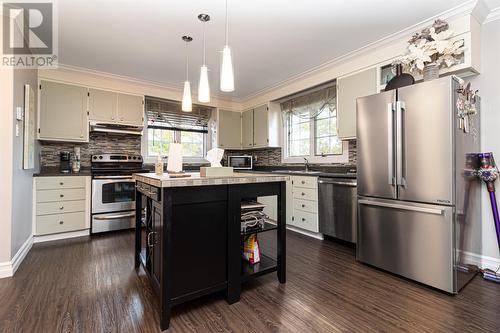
271	40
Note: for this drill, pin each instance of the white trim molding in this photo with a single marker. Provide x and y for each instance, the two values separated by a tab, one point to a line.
493	15
64	235
481	261
305	232
8	268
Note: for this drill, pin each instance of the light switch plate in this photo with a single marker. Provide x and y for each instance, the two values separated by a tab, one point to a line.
19	113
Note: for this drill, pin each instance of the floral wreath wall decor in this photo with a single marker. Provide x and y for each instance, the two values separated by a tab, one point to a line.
431	49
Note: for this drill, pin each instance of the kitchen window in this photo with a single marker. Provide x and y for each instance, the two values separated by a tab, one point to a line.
310	121
166	124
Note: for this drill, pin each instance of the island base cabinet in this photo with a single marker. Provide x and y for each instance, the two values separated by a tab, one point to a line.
193	240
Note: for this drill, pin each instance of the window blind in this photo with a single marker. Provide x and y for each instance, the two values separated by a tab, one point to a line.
167	114
309	104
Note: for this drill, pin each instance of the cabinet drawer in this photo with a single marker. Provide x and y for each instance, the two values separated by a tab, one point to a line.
306	205
53	183
304	181
306	220
59	207
51	224
60	195
305	193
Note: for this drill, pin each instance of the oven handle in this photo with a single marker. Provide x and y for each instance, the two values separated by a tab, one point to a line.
114	217
113	177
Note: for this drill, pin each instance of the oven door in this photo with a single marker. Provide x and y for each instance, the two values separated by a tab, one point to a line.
113	194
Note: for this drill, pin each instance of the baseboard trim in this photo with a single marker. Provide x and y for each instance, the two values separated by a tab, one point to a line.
481	261
9	268
64	235
305	232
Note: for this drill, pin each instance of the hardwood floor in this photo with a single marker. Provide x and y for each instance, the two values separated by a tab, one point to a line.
90	285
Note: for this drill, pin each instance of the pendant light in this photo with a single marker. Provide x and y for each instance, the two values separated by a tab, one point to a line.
203	85
226	70
187	104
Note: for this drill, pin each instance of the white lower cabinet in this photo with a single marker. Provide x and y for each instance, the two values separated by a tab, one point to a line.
302	202
62	204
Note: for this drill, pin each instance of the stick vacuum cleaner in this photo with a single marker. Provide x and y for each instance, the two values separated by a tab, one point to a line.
488	172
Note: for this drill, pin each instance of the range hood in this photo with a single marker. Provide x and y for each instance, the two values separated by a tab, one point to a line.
96	126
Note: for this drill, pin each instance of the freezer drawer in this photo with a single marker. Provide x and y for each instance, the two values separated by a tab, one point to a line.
412	240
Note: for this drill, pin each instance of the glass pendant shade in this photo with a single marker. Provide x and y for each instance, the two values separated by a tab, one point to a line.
226	72
203	86
187	104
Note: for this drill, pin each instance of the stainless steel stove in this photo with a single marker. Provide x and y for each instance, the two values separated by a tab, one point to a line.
113	191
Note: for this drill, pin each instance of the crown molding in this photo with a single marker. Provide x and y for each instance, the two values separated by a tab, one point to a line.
130	79
463	9
493	15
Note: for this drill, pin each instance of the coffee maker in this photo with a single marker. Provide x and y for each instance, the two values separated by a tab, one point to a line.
65	162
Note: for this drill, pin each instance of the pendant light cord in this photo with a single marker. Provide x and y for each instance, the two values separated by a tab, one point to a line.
227	27
187	63
203	43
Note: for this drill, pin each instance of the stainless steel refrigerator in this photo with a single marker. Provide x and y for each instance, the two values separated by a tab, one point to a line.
419	208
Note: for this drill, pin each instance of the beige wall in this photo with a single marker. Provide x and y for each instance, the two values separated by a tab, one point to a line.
22	180
6	118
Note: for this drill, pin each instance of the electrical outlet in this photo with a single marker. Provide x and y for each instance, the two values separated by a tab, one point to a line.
17	129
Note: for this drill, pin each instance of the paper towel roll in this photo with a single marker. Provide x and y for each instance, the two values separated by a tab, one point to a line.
174	163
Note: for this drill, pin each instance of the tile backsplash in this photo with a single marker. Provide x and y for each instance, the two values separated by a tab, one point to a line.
99	143
272	156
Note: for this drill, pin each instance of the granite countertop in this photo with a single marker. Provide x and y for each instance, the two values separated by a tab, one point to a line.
55	172
196	180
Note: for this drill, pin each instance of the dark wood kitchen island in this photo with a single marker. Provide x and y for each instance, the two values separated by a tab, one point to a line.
189	238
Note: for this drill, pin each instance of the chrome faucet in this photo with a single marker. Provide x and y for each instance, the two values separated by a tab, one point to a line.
306	164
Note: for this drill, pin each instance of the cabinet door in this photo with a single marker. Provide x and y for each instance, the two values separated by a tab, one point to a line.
247	129
348	89
130	109
261	126
155	241
63	112
102	105
229	129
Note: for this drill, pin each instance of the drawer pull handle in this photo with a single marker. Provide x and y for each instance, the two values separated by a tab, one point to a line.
61	222
61	183
303	182
61	195
303	205
303	193
303	219
61	208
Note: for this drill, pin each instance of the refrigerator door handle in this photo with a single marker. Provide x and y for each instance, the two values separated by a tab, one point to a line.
434	211
390	144
400	141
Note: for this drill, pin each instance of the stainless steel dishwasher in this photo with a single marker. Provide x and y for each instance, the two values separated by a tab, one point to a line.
338	208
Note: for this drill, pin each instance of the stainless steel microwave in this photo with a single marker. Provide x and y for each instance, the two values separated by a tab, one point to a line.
240	162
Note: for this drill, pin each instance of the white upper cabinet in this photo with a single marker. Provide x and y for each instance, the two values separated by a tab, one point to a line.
247	129
229	129
130	109
260	127
102	105
63	114
112	107
348	89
